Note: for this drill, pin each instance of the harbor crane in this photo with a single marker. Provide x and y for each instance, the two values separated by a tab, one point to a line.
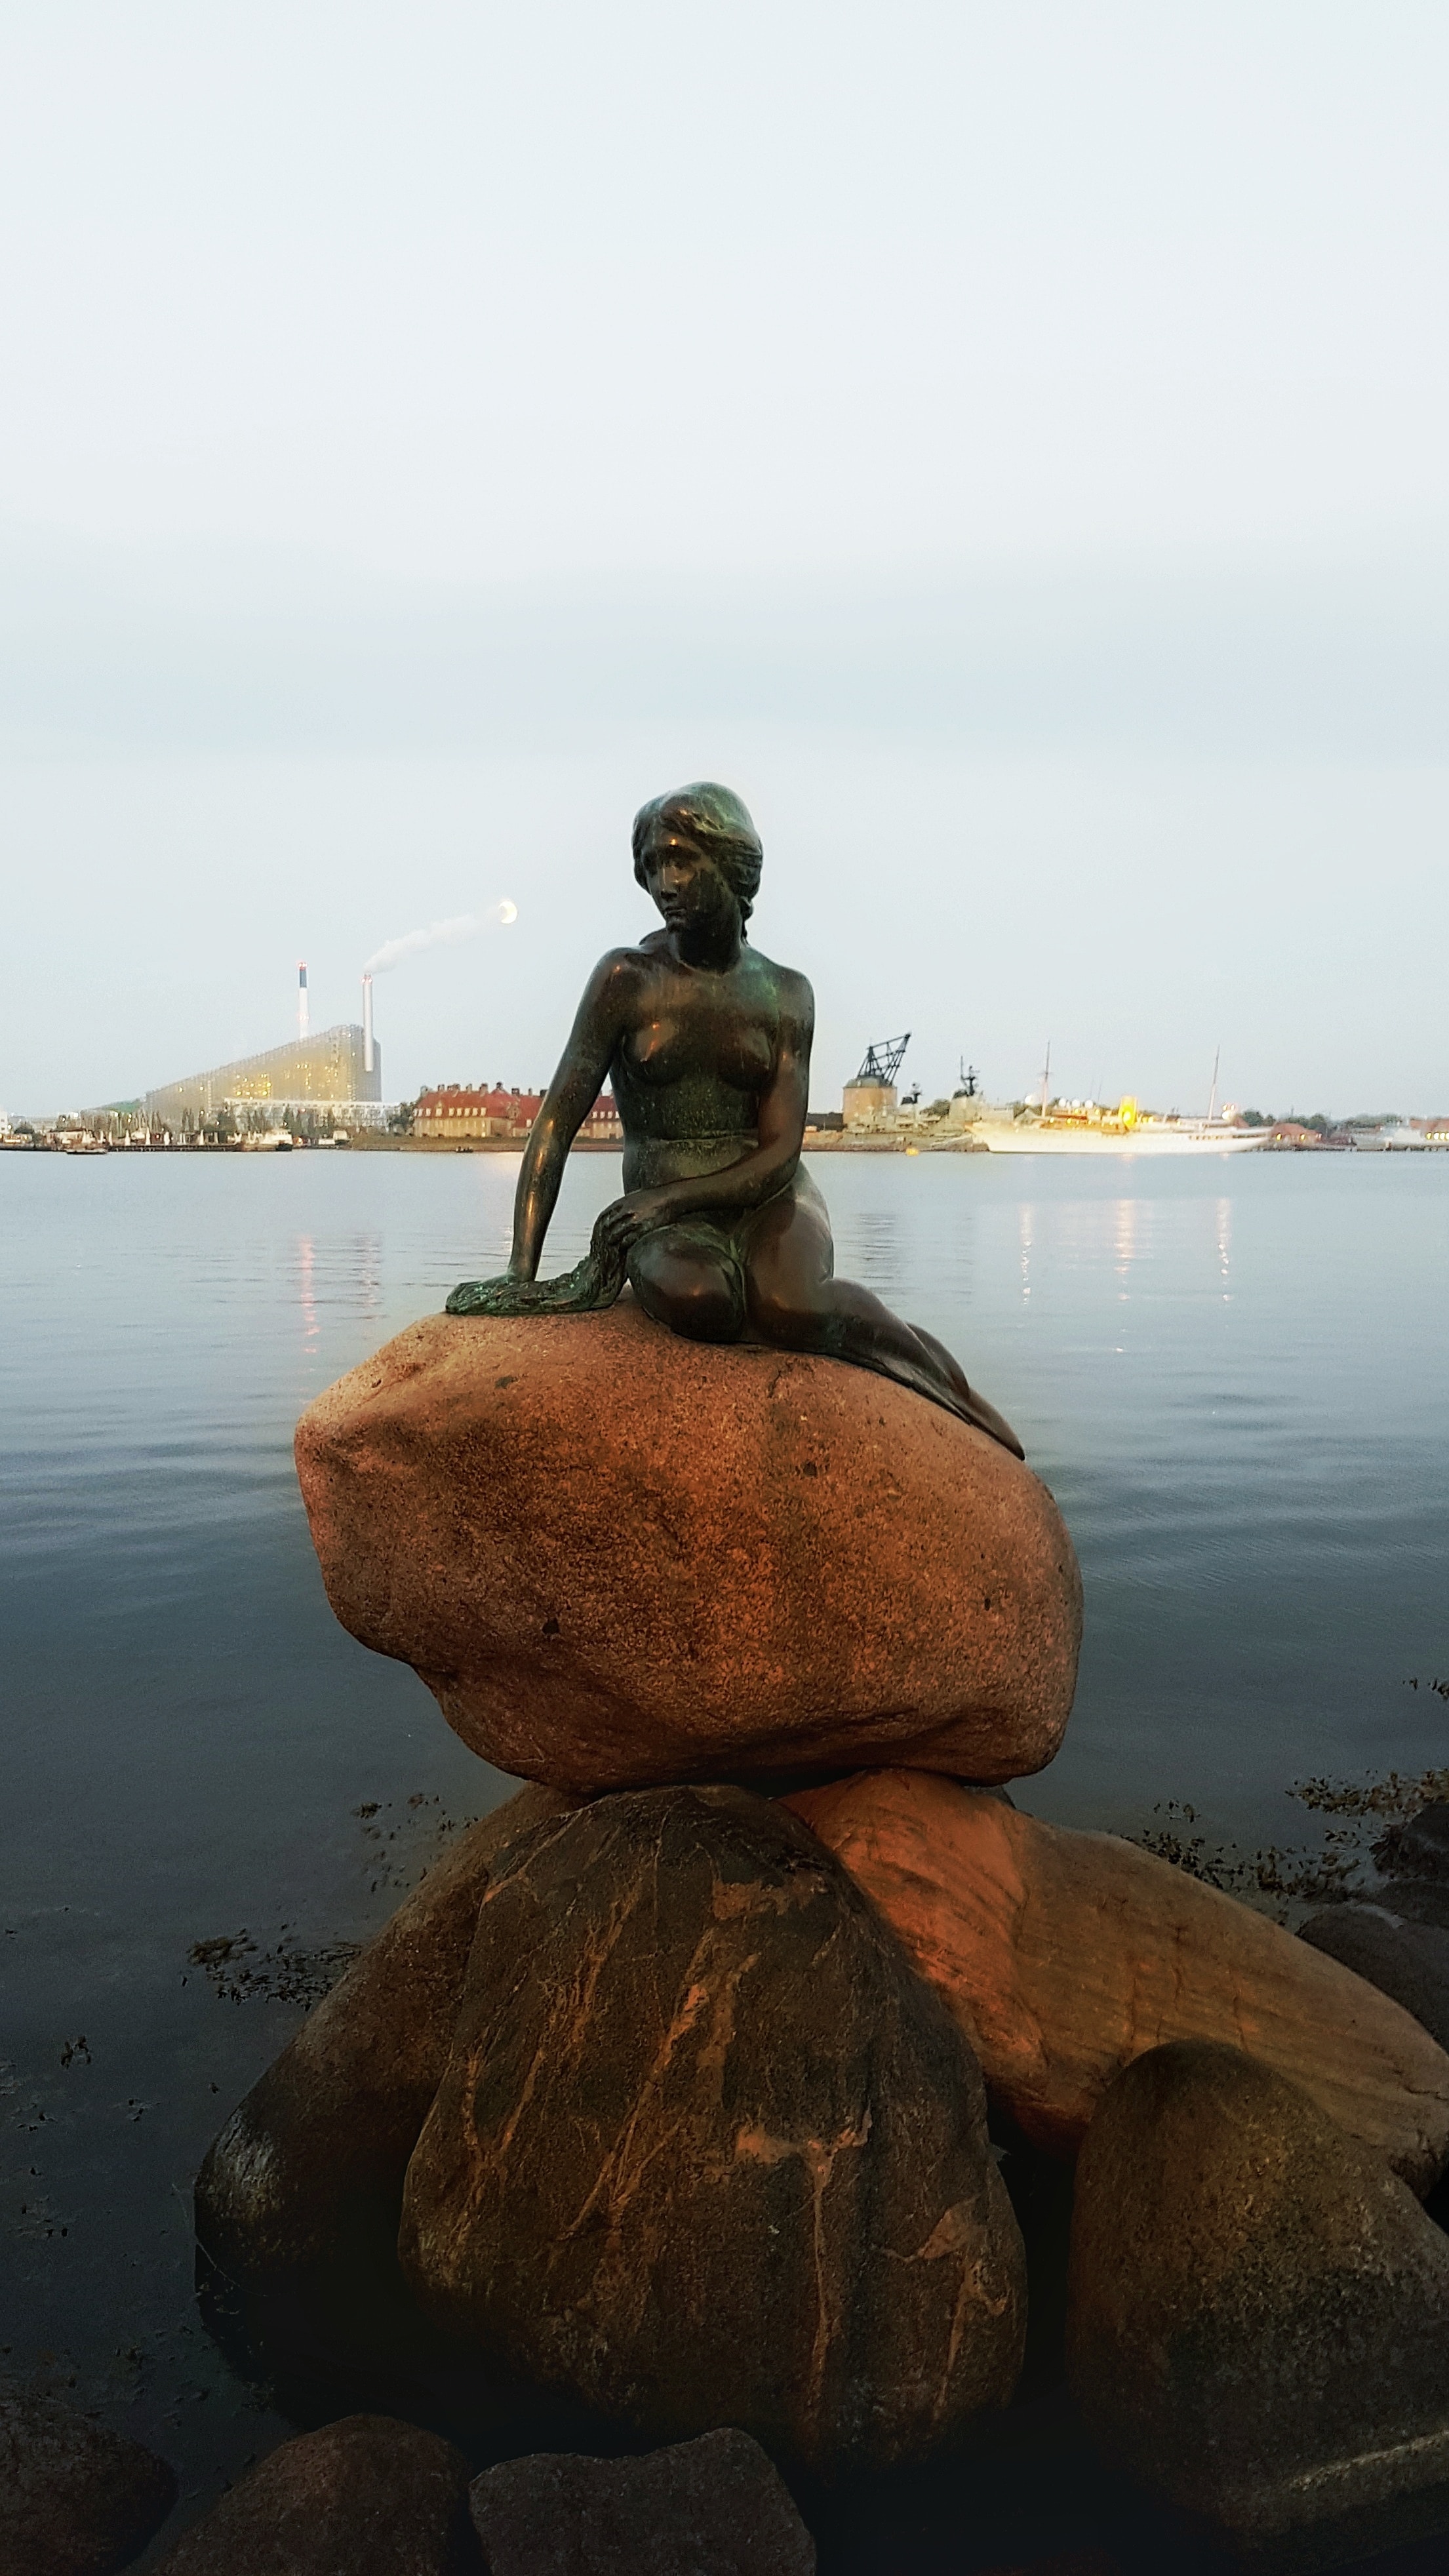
883	1059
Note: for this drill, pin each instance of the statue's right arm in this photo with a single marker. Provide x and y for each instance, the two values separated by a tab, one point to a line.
583	1067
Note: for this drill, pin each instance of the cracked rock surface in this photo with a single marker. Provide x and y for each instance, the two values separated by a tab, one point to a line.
708	2151
317	2151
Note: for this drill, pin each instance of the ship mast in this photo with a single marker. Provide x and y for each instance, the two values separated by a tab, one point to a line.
1213	1095
1046	1075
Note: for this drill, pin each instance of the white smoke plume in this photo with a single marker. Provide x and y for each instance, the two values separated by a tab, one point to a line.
440	934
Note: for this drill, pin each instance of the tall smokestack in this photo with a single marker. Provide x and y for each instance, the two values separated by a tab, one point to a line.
367	1024
301	998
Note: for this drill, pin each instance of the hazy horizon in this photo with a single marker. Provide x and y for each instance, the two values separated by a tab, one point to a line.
1007	447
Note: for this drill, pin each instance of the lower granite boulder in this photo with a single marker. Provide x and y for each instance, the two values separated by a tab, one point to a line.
713	2507
1258	2312
1066	1955
315	2155
708	2151
75	2498
368	2496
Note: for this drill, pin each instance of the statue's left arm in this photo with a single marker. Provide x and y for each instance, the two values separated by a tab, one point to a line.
592	1282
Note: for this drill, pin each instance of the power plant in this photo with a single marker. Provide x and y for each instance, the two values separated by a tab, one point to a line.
338	1068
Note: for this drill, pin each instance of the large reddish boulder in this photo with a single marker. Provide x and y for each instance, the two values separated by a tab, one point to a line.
708	2151
619	1557
1064	1956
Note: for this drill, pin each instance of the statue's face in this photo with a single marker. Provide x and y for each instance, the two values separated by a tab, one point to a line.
685	883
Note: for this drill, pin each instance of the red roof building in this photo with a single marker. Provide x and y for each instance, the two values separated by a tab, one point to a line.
461	1113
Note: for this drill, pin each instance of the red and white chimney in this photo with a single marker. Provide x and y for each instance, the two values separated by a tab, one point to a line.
367	1024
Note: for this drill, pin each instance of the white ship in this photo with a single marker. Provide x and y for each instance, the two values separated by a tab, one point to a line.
1125	1130
1090	1127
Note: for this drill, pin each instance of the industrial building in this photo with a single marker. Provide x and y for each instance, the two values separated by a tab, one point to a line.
340	1068
872	1099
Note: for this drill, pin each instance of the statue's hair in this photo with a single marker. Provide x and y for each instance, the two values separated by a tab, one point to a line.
719	822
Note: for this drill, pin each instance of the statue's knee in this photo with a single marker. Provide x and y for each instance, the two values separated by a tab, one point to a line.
707	1308
699	1299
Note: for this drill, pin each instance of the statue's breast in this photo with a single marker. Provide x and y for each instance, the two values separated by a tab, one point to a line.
684	1047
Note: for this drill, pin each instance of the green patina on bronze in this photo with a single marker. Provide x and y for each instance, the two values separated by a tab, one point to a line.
706	1042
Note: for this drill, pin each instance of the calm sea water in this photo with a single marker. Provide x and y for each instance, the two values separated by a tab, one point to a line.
1232	1373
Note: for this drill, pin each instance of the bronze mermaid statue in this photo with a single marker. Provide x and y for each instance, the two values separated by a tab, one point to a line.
721	1233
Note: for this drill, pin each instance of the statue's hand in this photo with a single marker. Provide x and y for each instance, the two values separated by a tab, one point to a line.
593	1283
621	1225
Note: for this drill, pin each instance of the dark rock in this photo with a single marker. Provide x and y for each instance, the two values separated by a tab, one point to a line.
1416	1900
713	2507
1419	1847
1258	2320
316	2153
1040	2189
367	2497
1069	2562
708	2150
1409	1961
75	2499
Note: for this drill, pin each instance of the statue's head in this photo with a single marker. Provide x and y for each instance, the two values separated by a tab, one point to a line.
714	822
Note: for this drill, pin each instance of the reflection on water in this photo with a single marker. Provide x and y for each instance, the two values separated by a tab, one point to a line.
1231	1375
1124	1243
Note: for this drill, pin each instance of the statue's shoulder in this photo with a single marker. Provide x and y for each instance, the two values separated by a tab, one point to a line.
793	991
619	970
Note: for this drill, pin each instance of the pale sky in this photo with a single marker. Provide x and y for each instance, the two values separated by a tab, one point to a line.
1006	443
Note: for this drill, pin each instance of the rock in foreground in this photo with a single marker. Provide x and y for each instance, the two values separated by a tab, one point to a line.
1258	2320
75	2499
368	2496
1407	1960
1420	1845
315	2155
619	1557
1066	1955
714	2507
708	2151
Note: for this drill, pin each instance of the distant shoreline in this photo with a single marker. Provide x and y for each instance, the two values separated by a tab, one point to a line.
815	1143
